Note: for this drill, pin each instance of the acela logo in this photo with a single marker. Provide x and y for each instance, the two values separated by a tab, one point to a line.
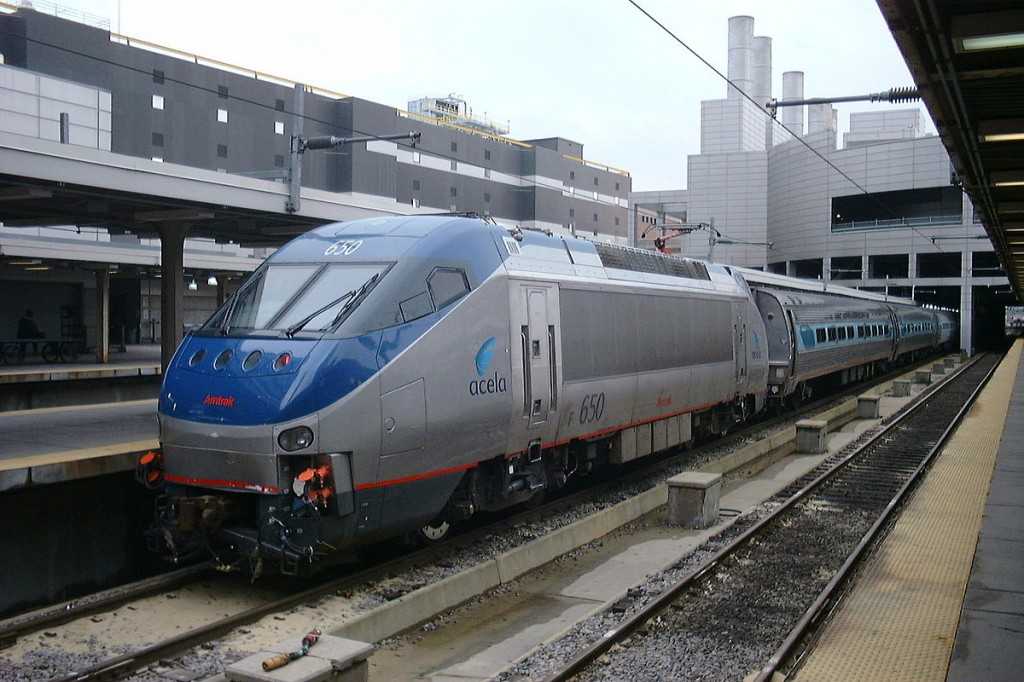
492	384
484	356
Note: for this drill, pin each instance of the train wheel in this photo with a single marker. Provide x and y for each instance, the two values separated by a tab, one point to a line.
538	498
435	531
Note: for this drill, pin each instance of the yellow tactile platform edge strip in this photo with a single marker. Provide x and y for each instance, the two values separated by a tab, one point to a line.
900	620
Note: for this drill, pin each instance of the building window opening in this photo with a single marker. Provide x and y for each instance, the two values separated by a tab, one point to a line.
939	264
808	269
846	267
985	264
889	266
928	206
222	151
222	115
158	102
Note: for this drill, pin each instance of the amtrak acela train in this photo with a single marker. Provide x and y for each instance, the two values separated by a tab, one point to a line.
396	375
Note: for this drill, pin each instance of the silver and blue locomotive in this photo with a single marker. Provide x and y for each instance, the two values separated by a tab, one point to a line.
397	375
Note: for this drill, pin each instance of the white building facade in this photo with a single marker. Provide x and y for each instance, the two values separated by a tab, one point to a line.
881	212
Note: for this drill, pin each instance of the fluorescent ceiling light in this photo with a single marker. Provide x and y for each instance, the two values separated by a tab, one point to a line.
1006	130
1012	178
1010	207
993	42
989	31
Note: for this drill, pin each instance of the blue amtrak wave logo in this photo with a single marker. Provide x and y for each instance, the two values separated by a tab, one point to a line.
484	356
487	385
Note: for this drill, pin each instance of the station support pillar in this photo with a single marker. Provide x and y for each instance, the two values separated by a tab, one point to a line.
172	288
102	316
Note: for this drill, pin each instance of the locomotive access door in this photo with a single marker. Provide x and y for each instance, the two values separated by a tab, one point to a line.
739	332
537	305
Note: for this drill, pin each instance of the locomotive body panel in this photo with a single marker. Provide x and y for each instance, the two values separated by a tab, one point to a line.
393	374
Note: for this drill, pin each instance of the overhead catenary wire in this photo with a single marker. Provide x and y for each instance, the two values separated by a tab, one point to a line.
766	112
533	181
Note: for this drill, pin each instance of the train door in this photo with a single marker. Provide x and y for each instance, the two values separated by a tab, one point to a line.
739	334
538	307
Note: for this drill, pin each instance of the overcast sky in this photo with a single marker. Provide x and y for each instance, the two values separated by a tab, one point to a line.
598	72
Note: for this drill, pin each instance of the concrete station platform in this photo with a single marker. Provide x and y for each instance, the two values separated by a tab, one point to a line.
137	360
943	599
55	444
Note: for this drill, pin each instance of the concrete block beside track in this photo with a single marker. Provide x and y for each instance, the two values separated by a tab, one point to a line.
810	436
421	605
867	406
330	658
693	499
516	562
758	455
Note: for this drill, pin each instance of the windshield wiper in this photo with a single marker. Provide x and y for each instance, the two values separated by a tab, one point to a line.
352	301
292	330
352	297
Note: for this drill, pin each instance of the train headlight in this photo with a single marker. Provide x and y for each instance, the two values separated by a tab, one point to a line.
294	439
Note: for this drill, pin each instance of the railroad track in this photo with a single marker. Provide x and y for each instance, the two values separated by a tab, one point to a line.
767	581
142	653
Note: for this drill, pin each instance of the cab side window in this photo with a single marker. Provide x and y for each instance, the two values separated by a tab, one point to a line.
447	285
444	286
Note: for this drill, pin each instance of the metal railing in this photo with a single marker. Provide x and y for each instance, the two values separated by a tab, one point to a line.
895	223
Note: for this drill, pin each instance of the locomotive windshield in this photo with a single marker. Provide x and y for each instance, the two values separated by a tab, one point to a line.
291	298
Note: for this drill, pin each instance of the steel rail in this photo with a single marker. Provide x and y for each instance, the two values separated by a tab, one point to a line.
837	586
663	601
123	665
19	626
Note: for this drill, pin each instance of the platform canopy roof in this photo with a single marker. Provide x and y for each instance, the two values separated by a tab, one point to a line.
967	60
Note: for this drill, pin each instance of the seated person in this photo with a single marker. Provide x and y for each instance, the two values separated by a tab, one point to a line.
28	329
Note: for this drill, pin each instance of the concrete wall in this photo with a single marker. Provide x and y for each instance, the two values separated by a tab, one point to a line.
173	108
32	104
